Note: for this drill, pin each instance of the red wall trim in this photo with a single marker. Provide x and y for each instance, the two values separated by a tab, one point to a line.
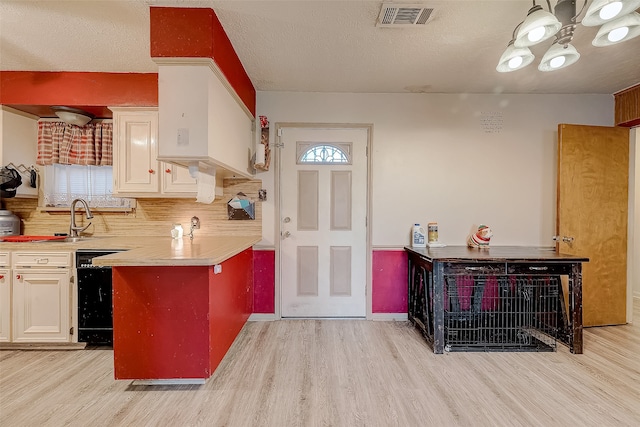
264	281
197	33
78	89
389	282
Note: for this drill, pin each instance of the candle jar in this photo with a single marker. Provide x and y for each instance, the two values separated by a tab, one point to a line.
176	231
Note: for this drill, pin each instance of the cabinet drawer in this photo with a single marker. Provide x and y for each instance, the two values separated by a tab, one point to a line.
538	268
492	268
42	259
5	259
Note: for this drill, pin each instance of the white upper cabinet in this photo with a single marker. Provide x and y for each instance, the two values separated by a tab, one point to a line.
202	121
135	139
18	144
136	170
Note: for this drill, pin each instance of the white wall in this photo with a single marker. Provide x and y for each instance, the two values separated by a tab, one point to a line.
18	143
459	160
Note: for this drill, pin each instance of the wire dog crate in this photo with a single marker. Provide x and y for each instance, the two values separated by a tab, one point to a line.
501	312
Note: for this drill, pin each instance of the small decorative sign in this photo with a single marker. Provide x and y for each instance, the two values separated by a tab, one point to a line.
491	121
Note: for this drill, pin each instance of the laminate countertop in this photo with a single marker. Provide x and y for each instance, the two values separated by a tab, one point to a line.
150	251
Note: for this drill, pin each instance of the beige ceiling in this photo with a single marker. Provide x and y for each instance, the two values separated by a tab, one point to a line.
318	46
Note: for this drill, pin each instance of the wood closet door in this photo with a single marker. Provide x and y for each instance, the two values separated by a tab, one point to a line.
593	189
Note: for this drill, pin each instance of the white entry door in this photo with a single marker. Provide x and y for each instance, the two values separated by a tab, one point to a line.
323	208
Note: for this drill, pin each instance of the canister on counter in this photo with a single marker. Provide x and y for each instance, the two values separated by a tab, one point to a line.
432	232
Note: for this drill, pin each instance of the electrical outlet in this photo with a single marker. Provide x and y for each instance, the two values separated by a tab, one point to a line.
217	269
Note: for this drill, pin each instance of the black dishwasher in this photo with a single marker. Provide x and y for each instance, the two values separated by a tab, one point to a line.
95	310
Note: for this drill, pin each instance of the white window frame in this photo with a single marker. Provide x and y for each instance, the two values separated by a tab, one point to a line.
303	147
64	183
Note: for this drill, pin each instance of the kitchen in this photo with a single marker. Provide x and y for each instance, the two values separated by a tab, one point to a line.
448	128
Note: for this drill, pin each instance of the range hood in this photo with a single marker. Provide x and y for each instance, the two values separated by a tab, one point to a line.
203	124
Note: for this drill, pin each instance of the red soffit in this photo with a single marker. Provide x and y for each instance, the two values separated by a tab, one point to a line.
197	33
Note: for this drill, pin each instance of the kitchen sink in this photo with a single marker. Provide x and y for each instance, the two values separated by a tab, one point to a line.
54	239
79	239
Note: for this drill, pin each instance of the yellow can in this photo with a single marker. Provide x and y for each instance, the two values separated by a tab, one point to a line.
432	232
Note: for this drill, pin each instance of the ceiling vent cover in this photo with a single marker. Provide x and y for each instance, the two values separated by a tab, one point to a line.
403	15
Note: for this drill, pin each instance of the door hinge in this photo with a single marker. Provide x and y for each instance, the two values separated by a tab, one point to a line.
366	151
71	330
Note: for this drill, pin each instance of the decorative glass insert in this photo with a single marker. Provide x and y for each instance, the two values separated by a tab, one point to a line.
324	153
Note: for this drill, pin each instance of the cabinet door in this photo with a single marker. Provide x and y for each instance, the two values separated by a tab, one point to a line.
176	179
41	305
135	152
5	305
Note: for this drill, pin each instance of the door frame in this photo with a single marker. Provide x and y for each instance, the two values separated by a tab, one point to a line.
278	224
633	248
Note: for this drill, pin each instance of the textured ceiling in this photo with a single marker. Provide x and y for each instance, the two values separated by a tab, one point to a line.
318	46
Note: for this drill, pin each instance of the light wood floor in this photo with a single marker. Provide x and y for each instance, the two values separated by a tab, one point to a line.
338	373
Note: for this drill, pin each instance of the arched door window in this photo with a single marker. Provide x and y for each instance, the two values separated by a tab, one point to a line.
324	153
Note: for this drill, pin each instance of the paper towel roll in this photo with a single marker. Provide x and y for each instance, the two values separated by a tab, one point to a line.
206	186
260	156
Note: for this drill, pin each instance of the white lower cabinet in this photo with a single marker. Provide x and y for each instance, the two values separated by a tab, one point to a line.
40	295
5	305
41	305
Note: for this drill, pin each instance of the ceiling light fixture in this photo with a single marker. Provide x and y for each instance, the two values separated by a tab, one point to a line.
617	17
71	115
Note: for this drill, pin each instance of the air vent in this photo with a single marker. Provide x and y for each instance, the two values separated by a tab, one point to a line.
403	15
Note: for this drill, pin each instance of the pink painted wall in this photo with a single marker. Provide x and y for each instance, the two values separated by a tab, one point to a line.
389	282
264	281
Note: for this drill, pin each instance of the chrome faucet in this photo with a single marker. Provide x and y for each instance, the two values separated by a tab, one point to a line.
195	224
73	229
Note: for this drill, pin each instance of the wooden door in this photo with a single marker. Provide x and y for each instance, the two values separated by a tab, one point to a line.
323	192
593	182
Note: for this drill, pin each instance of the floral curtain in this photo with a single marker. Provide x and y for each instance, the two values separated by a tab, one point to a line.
67	144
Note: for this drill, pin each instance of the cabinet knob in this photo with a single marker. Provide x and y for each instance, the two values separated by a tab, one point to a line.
18	276
1	276
168	170
151	171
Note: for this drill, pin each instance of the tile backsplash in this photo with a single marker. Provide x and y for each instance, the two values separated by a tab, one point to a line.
151	217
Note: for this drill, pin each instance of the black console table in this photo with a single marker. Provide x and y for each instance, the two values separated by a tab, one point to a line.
497	299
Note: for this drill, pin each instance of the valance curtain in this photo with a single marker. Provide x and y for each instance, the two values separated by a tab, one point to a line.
63	143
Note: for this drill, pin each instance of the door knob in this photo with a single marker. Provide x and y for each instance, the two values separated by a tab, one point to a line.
286	234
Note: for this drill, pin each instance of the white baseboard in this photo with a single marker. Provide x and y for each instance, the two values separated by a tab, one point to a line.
262	317
269	317
390	316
